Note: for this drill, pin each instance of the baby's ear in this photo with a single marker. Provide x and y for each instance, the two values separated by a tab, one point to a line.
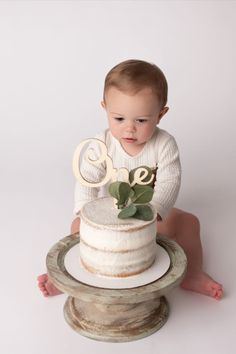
163	112
103	104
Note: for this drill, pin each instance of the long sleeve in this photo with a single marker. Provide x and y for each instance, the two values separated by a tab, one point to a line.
168	177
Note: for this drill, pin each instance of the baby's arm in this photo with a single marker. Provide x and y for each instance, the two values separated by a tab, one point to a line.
168	176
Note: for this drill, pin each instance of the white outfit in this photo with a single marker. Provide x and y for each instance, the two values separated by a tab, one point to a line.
160	151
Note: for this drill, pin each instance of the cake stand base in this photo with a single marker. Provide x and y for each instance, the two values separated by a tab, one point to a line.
116	323
115	315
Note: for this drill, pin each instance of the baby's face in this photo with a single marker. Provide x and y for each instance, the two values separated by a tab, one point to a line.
133	118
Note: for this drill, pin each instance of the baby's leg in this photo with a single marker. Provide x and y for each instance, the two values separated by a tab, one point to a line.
184	228
44	283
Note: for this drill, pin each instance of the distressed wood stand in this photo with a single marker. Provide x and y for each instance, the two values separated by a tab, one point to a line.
115	315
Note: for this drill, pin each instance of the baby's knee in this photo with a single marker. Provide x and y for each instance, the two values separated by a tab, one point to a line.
190	219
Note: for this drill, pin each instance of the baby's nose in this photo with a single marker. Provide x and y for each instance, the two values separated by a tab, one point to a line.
130	127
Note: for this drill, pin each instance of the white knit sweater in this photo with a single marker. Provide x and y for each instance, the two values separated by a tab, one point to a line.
160	151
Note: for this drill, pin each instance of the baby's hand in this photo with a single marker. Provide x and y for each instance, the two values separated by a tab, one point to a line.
75	226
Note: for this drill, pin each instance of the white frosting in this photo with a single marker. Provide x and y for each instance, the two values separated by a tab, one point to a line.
114	246
103	214
116	263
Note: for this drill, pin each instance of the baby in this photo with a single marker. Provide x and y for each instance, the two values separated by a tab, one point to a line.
135	97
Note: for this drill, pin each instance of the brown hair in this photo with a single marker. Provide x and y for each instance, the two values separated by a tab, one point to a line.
133	75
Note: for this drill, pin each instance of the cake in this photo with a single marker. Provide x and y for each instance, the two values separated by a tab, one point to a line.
115	247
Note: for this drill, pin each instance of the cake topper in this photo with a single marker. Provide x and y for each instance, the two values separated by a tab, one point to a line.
132	193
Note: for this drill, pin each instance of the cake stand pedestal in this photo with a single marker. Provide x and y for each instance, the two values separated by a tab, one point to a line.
115	315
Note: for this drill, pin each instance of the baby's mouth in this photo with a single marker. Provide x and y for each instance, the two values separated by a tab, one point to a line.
129	140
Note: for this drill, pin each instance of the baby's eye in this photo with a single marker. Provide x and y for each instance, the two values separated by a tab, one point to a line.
119	119
141	120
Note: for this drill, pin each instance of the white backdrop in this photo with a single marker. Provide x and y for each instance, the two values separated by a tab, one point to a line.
54	56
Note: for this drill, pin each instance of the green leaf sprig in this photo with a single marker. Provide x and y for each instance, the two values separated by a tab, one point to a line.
133	200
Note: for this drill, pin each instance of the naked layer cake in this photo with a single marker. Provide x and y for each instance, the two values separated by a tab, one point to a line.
115	247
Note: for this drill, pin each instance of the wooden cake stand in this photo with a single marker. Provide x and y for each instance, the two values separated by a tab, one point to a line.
115	315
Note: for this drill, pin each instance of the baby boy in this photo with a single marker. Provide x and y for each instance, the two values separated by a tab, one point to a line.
135	98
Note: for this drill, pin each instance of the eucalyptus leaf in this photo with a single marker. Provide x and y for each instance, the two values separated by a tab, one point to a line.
131	193
142	194
114	190
124	192
144	212
127	212
121	192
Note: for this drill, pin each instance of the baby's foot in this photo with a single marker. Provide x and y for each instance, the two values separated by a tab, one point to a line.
202	283
46	286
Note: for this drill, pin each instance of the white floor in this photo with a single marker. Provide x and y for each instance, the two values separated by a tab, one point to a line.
33	324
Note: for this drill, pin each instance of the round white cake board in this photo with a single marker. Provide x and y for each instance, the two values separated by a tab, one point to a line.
76	270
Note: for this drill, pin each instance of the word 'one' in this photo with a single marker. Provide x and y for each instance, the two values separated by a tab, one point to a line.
111	172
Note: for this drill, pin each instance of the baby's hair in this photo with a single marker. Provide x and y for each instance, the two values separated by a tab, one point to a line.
133	75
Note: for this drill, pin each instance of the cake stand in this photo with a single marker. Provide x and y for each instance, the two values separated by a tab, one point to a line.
115	315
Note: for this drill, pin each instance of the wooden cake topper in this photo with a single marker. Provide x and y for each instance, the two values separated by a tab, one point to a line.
112	173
